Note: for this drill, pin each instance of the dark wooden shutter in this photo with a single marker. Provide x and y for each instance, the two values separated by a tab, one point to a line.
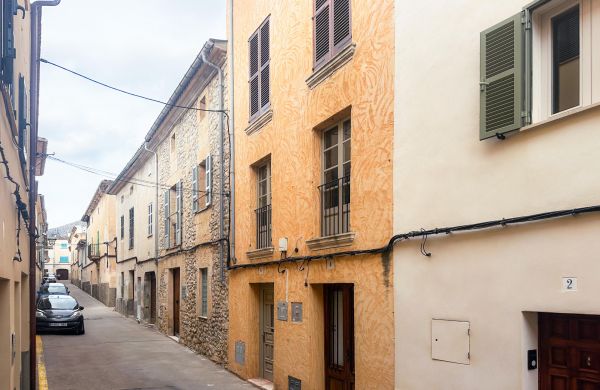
254	94
321	31
264	65
341	24
501	86
9	53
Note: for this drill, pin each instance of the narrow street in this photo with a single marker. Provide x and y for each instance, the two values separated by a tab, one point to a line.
118	353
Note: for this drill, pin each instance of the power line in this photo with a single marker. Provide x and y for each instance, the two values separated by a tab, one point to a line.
114	177
45	61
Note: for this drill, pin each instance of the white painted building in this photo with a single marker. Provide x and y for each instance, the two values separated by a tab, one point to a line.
497	306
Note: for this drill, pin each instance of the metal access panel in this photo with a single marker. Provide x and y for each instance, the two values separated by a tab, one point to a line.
450	341
296	312
294	383
282	311
240	352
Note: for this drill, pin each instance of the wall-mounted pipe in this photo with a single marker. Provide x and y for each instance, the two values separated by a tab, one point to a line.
222	163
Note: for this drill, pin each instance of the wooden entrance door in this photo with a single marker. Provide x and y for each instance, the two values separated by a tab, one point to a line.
569	352
176	297
339	336
267	331
152	297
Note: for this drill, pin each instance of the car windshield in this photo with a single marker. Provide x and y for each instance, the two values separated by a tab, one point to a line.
54	289
60	303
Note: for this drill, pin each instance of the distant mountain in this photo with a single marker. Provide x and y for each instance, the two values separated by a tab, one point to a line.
64	230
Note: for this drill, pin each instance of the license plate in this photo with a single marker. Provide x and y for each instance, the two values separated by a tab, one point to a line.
58	324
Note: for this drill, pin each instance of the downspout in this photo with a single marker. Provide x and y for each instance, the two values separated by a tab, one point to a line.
222	163
34	77
155	209
231	137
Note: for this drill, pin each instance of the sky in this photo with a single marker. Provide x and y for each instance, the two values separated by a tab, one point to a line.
143	46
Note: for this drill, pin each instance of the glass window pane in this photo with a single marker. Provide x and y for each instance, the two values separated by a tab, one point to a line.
331	175
565	59
331	158
331	138
347	152
347	130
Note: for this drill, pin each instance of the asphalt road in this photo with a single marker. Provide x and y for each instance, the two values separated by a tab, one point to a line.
118	353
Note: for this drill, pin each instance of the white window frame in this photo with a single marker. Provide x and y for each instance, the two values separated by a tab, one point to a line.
203	313
542	63
150	219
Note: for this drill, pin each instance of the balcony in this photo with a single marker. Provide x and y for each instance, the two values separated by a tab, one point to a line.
94	251
263	227
335	207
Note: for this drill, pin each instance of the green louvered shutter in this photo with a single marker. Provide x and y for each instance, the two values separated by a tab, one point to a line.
501	84
195	207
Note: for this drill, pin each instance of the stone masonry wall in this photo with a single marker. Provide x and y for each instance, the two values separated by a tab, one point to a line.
207	336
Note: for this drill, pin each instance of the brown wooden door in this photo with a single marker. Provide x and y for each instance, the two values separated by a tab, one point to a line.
267	329
153	298
569	352
339	336
176	297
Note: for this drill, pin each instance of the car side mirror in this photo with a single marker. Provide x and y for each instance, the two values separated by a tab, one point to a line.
80	307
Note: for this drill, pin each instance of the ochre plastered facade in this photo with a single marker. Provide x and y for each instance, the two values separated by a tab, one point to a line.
361	90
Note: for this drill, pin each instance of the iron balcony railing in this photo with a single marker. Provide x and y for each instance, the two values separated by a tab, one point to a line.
263	227
94	251
335	207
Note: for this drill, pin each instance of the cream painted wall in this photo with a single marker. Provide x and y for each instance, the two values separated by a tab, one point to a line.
102	225
443	175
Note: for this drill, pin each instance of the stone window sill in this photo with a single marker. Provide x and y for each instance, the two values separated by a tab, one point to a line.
259	122
326	70
202	209
561	116
260	253
335	241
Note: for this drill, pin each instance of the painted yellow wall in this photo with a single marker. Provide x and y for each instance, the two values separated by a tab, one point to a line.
496	279
102	220
366	85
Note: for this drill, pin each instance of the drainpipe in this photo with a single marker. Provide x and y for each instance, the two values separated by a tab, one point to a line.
34	76
222	162
155	209
231	137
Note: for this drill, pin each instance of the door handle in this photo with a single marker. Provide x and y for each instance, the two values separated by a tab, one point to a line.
589	361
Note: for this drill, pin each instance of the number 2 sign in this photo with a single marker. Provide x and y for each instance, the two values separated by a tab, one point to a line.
569	284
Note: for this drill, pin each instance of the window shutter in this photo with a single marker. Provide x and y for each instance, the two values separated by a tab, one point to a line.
22	122
321	31
167	202
9	53
265	59
254	67
208	180
178	216
341	23
501	97
195	188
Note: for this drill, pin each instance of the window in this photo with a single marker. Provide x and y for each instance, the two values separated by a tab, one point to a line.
131	228
202	106
173	218
203	293
263	204
122	227
565	60
150	220
202	175
63	259
63	245
533	65
259	70
131	190
332	29
335	190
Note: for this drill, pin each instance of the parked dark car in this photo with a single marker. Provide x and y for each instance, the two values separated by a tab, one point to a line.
49	278
52	289
59	312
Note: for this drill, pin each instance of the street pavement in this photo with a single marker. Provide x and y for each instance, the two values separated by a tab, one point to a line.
118	353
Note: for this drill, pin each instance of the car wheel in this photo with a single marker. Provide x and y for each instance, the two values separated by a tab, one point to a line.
82	328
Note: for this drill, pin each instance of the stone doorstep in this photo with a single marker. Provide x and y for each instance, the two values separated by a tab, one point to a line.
174	338
262	383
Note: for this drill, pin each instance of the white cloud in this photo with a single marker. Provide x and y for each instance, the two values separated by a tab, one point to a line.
144	46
